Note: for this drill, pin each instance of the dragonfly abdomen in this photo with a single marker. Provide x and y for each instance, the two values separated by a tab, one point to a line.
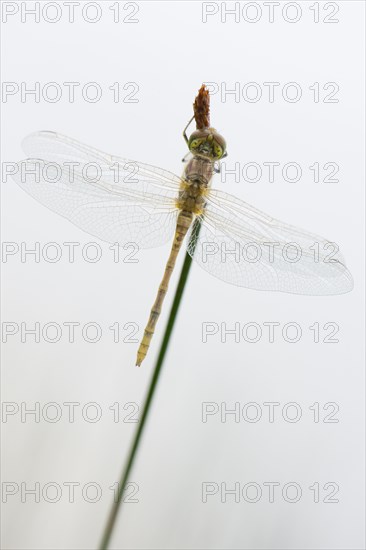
190	203
184	221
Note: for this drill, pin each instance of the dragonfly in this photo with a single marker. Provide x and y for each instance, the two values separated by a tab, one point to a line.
119	200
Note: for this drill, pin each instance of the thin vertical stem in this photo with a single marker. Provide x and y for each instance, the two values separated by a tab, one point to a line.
151	390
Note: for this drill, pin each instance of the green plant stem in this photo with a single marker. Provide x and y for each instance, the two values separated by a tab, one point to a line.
151	391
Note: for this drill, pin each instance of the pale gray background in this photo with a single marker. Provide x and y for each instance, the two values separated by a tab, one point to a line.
169	53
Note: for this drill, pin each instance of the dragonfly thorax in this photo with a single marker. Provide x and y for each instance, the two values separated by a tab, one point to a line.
191	197
194	185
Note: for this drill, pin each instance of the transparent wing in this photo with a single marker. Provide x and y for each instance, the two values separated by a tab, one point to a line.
243	246
114	199
61	149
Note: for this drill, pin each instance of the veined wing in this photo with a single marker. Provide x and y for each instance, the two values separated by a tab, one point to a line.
114	199
243	246
61	149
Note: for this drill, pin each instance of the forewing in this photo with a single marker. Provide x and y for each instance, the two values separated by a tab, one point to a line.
62	149
114	199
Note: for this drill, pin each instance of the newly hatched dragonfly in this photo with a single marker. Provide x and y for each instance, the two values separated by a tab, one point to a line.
127	201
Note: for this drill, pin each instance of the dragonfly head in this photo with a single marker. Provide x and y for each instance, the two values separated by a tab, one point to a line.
207	143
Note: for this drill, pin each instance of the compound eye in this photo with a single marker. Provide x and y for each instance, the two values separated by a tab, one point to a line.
196	143
218	151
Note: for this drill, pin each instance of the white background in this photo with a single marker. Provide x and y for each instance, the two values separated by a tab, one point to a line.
169	53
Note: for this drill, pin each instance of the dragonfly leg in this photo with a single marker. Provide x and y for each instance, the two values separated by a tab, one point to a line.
185	130
217	168
185	158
